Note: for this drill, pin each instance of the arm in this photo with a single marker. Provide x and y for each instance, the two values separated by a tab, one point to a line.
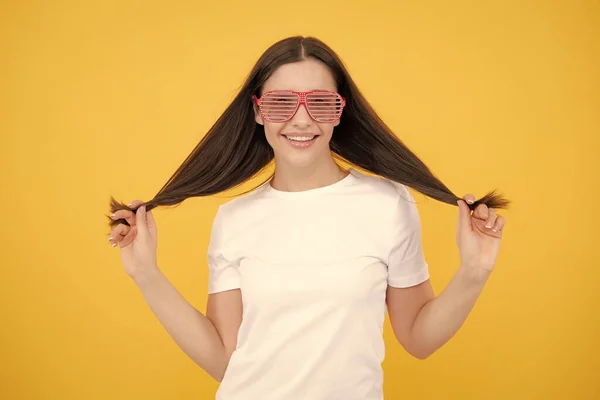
423	323
199	336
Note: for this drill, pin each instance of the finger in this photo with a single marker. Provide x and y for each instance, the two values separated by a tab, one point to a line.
469	198
117	234
500	222
481	212
126	215
135	204
129	237
491	219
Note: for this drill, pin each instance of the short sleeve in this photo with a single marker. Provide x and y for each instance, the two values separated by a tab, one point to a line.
406	262
223	273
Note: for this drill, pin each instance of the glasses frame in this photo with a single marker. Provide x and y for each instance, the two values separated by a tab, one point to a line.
301	101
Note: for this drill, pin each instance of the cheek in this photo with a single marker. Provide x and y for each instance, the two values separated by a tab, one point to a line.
326	130
272	132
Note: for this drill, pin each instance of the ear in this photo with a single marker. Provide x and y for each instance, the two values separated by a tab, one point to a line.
257	117
336	123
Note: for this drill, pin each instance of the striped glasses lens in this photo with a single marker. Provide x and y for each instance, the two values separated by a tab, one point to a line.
281	106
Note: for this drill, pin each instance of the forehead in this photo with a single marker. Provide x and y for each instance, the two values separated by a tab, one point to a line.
302	76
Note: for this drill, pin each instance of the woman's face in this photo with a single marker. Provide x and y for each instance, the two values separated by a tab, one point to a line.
301	76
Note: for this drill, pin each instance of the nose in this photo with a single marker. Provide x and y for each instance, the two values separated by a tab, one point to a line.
301	118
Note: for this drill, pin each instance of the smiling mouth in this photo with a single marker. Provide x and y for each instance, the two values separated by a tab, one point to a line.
300	138
301	141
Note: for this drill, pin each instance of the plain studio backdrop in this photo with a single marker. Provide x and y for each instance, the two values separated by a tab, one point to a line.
108	98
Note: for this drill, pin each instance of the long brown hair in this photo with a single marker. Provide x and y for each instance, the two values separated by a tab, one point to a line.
235	149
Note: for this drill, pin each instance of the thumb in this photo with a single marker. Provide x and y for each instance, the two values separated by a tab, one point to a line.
464	217
140	220
151	223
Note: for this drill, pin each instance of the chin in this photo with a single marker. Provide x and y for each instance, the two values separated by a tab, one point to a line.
300	160
303	159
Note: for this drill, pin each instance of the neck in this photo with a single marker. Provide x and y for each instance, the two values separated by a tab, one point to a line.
290	178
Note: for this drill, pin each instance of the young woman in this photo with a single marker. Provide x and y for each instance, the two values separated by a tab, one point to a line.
303	268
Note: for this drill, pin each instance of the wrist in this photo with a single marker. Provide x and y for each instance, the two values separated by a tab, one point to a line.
146	276
474	274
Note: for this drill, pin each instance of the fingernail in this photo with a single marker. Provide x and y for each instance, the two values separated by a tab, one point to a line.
112	215
495	229
114	244
470	201
110	238
129	205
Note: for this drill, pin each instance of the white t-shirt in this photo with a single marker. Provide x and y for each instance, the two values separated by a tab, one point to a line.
313	269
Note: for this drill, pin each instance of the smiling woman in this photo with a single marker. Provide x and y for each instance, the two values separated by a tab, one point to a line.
297	300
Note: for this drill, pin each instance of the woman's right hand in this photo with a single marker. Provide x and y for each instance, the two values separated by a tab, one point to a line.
138	241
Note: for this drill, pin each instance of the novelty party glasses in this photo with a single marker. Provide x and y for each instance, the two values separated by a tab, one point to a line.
282	105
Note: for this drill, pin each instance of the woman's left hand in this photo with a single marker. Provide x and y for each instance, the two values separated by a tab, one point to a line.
478	235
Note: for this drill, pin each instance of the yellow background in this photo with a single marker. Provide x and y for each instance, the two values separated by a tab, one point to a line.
107	98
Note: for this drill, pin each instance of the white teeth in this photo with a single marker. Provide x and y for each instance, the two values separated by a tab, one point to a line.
300	138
